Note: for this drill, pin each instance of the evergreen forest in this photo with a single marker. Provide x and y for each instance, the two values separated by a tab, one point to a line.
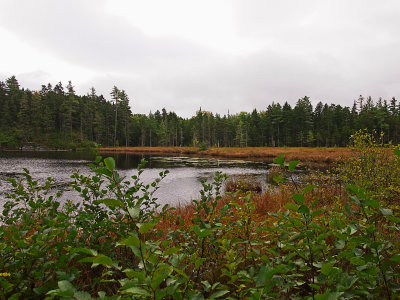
57	117
325	235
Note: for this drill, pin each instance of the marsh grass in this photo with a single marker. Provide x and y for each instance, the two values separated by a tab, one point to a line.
308	156
242	185
272	173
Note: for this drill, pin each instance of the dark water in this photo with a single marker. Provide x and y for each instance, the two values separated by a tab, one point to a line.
180	186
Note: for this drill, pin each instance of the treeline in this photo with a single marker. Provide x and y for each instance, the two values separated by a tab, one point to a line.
57	117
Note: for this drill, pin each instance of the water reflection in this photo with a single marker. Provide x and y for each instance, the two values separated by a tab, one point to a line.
179	187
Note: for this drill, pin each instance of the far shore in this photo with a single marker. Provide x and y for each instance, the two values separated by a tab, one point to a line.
303	154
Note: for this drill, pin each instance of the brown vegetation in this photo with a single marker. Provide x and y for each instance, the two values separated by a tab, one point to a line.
327	194
308	156
236	184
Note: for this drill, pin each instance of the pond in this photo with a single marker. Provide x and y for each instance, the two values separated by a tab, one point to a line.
181	185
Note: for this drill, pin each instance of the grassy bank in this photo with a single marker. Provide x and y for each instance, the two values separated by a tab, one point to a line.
304	154
334	236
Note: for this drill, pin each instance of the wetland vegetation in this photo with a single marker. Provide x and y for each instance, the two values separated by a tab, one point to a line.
333	236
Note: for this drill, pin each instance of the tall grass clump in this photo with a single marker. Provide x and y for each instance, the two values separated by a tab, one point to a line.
116	242
243	185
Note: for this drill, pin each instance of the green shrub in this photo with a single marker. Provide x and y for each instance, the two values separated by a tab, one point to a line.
203	146
373	167
112	245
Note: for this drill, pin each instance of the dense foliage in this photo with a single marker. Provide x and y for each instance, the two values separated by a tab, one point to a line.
57	117
115	242
372	167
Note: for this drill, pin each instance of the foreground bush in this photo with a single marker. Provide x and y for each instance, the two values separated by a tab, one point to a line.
373	167
112	243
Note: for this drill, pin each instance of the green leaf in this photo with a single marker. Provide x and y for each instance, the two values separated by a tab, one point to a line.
395	258
296	237
180	272
351	229
396	152
171	251
103	171
134	212
279	179
136	291
85	250
264	275
347	209
196	229
355	199
145	227
132	240
326	268
353	189
372	203
393	219
219	293
291	206
317	213
280	160
292	165
299	198
358	261
98	159
87	260
160	274
66	286
340	244
386	211
308	188
110	202
202	233
110	163
303	209
102	260
315	286
199	261
334	295
82	296
207	285
134	274
16	296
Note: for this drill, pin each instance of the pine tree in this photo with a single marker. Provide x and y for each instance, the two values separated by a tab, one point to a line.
303	118
24	116
115	94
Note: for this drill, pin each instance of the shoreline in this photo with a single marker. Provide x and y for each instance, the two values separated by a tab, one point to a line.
305	155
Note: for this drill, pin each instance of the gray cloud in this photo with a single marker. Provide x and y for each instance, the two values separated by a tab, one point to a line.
81	33
329	50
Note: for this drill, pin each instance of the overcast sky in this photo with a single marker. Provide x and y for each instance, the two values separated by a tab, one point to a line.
220	55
